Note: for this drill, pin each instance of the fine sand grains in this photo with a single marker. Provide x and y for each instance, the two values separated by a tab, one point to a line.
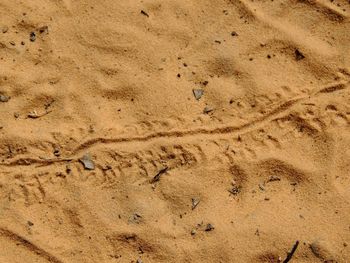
174	131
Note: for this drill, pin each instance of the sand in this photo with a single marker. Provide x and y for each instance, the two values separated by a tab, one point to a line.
174	131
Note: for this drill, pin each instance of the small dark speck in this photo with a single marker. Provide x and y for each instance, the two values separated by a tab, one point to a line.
5	29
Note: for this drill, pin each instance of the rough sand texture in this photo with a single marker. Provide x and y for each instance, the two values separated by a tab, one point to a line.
264	151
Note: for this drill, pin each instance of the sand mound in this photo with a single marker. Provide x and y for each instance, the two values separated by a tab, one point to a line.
174	131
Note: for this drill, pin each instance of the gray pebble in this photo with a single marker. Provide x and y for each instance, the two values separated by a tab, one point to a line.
4	98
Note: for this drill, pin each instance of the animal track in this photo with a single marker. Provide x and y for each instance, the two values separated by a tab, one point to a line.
283	113
254	124
25	243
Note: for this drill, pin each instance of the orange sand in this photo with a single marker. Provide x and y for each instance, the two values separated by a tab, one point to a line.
264	153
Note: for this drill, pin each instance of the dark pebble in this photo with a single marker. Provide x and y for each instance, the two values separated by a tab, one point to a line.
32	36
299	55
209	227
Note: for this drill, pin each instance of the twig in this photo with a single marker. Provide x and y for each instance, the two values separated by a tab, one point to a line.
156	178
53	160
144	13
291	253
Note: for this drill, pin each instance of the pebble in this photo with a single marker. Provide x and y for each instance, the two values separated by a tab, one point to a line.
4	98
57	152
198	93
209	227
87	162
32	36
195	202
299	55
208	109
235	190
33	114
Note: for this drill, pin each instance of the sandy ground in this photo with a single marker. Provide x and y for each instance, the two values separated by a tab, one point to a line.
213	131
